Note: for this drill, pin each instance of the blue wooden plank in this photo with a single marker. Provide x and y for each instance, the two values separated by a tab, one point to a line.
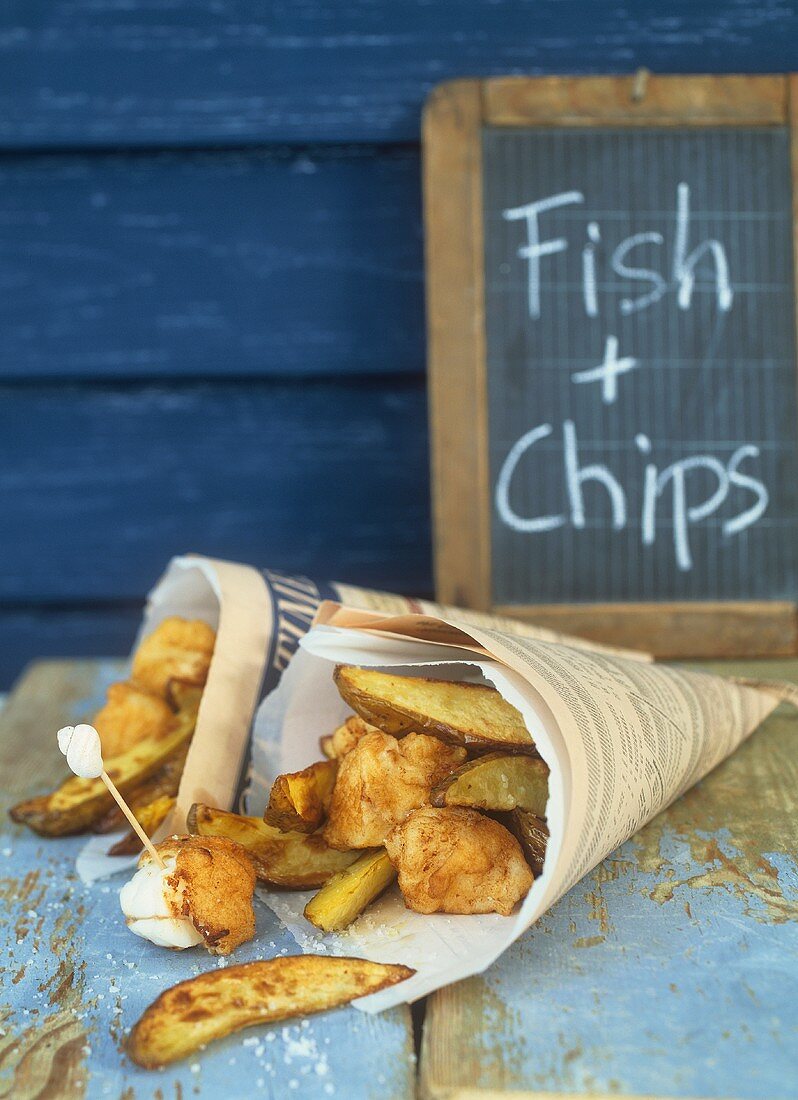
100	486
80	630
236	264
172	72
73	980
671	970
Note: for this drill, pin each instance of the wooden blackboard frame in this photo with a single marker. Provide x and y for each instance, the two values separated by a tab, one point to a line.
453	120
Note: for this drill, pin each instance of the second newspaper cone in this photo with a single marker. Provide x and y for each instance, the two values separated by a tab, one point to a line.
622	738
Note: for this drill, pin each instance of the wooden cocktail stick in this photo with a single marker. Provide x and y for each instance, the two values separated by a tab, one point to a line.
81	747
126	810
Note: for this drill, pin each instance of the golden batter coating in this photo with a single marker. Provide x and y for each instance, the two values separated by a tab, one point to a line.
178	649
212	884
380	781
343	739
129	715
456	860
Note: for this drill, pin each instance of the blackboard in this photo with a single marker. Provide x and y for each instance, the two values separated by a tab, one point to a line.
633	392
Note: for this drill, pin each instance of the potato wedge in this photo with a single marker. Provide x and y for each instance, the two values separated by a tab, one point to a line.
496	782
299	800
221	1002
293	861
78	803
349	892
150	816
164	782
532	834
463	714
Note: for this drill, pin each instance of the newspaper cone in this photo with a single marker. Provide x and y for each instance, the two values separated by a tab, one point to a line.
623	739
259	617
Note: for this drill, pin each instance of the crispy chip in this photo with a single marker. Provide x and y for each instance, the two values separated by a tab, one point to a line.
299	800
496	782
78	803
221	1002
351	891
292	861
464	714
150	816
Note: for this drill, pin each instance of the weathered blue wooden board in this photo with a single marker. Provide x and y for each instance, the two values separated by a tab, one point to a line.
260	263
172	72
99	487
671	970
73	979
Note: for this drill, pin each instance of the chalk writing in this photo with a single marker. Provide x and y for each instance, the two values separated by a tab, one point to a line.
667	491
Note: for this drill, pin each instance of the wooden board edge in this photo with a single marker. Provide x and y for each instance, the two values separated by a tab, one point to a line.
677	630
454	261
637	100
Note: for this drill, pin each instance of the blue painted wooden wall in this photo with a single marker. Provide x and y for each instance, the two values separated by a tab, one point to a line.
211	289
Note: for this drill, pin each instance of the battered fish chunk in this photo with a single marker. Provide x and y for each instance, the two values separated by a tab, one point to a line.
380	781
212	885
343	739
456	860
178	649
129	715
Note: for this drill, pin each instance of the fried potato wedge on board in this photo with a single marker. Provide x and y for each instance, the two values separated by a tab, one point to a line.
496	782
78	803
293	861
150	816
221	1002
299	800
532	834
462	714
349	892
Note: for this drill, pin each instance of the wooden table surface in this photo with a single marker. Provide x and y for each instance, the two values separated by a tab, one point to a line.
671	970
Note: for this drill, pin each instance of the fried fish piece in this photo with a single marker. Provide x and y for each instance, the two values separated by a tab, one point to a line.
212	884
178	649
462	714
456	860
343	739
380	781
298	800
130	714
